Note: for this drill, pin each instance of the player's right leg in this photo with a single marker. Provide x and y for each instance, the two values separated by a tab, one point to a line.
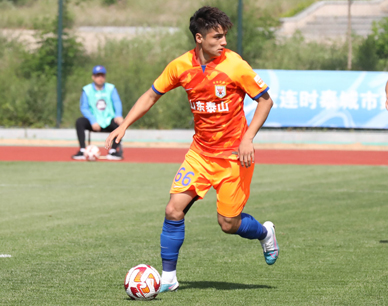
173	235
189	185
81	125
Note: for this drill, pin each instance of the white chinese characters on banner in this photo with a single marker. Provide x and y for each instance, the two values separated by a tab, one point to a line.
288	99
307	99
369	100
330	99
336	99
209	107
348	100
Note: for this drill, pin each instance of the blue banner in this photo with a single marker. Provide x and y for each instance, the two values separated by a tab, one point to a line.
335	99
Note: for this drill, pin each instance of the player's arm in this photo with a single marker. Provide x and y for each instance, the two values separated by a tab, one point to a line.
141	107
386	94
246	151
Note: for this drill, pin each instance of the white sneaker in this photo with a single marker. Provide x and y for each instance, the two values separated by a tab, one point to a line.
269	244
169	287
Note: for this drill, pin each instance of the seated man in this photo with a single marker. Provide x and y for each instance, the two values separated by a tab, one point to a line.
102	110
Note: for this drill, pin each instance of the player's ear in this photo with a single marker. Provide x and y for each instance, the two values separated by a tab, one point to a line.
198	38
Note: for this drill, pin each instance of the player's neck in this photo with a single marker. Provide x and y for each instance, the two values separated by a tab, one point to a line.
202	57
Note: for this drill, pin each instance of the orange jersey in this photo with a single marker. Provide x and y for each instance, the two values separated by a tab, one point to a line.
216	94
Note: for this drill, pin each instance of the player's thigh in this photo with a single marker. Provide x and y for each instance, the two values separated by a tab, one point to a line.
233	191
192	176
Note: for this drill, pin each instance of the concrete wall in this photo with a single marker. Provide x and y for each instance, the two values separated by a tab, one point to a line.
185	136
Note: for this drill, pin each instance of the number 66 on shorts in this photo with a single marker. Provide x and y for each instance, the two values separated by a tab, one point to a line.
232	182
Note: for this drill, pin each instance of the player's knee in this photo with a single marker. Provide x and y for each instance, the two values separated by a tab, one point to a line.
172	213
228	225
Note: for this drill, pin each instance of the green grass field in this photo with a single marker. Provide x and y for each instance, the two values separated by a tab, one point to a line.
74	229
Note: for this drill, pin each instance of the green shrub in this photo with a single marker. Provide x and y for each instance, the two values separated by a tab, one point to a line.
295	53
108	2
19	2
366	57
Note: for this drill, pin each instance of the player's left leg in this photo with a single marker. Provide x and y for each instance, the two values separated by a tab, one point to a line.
232	194
248	227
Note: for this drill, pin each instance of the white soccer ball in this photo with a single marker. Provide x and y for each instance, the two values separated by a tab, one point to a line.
92	153
142	282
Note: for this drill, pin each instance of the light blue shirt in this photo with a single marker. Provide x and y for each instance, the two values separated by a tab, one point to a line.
85	110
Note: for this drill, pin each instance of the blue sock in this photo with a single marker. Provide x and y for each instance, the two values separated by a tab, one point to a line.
171	240
250	228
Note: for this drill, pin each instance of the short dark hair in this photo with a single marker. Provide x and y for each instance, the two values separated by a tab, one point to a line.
207	18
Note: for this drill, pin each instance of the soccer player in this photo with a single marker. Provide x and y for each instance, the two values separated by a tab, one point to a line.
222	153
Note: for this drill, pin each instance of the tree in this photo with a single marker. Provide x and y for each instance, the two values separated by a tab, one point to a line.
41	64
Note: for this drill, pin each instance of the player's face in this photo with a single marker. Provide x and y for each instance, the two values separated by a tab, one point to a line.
214	42
99	79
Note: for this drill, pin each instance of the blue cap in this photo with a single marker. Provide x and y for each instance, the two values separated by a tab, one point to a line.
99	69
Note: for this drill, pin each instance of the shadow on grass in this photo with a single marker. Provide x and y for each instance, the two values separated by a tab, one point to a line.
215	285
220	285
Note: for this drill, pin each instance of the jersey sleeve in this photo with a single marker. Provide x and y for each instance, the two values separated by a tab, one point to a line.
250	82
168	80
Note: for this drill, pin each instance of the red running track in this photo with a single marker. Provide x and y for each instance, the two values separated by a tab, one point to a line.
172	155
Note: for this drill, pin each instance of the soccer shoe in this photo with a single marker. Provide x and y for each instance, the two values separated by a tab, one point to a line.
269	244
79	156
114	155
169	287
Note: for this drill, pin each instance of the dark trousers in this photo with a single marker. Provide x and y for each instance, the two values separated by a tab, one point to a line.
83	124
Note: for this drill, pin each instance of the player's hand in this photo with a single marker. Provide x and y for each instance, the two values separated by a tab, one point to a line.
246	153
118	134
118	120
386	104
96	127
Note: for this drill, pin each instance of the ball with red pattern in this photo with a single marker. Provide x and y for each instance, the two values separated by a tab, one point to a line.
142	282
92	153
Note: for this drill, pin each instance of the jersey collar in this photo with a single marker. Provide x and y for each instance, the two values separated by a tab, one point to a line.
212	64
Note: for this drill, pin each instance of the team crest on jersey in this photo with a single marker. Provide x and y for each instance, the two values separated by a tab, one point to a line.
220	91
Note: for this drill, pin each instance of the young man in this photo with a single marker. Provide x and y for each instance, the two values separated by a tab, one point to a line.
222	154
101	106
